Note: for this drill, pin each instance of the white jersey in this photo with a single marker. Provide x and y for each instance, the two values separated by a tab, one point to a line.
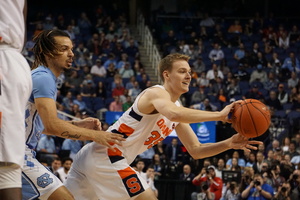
142	131
12	28
95	163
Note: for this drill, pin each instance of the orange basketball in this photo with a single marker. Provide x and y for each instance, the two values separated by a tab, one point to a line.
251	118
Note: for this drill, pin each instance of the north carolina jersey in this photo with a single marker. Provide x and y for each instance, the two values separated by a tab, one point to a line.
12	28
142	131
43	85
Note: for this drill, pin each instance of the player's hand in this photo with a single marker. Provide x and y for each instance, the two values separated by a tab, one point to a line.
238	141
89	123
109	139
226	112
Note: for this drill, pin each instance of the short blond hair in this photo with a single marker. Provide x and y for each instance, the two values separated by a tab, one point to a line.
167	63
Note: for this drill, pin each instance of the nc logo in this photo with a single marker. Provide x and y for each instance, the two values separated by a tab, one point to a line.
44	180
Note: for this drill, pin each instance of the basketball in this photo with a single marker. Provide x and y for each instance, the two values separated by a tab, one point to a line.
251	118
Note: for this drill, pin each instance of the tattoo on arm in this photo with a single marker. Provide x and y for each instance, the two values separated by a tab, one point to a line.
68	135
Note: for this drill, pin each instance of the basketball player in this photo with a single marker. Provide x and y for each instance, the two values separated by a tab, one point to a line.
53	54
99	173
15	87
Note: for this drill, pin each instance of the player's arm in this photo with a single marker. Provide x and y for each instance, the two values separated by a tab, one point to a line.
160	100
54	126
199	151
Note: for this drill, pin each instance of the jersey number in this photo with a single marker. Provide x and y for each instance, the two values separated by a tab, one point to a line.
153	139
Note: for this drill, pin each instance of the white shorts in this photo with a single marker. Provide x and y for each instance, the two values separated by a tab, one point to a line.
37	180
15	88
10	175
95	175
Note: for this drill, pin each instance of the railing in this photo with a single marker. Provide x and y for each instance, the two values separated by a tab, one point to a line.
147	40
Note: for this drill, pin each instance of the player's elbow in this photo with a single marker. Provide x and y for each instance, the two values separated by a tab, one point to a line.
196	154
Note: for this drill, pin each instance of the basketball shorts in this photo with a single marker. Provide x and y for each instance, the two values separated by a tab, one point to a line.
37	180
97	174
10	175
15	88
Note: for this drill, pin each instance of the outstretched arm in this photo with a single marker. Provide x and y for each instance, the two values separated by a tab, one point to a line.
54	126
199	151
160	100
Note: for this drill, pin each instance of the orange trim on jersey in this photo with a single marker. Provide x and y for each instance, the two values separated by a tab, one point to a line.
114	153
126	129
0	119
126	172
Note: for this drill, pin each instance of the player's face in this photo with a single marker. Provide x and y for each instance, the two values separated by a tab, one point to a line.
65	58
180	76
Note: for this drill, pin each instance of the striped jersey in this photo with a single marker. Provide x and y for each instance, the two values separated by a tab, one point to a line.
142	131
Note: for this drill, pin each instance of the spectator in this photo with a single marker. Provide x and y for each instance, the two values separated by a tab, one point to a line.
111	59
254	93
147	156
46	148
242	74
73	83
68	101
284	41
232	191
293	80
101	90
275	64
187	174
291	63
258	75
135	91
214	183
55	165
214	72
284	192
158	165
199	65
62	173
271	82
204	105
116	105
126	71
273	101
258	189
72	145
251	160
220	167
88	89
98	70
283	96
149	177
128	103
292	149
82	105
240	161
174	151
216	54
198	96
240	52
294	34
207	21
202	81
257	166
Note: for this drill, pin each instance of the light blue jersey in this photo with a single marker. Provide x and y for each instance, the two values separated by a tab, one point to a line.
43	85
37	180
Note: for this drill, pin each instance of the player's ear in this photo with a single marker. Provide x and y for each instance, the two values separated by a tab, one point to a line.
166	74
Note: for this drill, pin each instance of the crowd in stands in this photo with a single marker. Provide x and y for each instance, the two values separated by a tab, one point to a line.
230	59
